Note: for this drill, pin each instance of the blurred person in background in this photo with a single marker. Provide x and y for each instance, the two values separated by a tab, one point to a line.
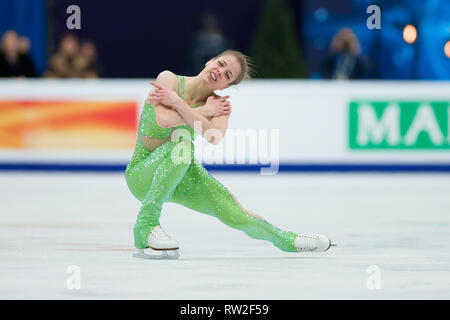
92	68
67	62
24	46
344	60
14	58
208	43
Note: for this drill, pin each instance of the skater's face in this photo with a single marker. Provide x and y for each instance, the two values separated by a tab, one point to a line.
220	72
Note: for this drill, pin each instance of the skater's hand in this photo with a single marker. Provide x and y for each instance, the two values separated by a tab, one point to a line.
218	106
149	99
163	95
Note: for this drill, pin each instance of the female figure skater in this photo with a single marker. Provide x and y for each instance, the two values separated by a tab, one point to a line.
158	172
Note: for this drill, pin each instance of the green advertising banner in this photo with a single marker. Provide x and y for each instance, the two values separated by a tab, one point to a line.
399	124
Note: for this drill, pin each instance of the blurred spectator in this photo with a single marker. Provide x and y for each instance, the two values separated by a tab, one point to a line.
93	68
67	62
344	60
14	58
208	43
24	45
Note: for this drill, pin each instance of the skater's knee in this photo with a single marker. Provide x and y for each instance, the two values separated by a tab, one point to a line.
183	142
187	146
182	152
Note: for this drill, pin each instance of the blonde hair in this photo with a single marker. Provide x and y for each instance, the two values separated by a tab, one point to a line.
246	63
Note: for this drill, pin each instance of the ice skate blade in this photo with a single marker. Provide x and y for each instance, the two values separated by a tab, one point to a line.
159	255
331	245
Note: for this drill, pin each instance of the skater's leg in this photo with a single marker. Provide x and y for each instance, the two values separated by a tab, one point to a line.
165	177
140	170
201	192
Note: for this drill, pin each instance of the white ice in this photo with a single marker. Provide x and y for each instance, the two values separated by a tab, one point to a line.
398	223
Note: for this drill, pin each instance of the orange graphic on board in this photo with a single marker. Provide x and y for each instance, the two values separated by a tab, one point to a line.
63	124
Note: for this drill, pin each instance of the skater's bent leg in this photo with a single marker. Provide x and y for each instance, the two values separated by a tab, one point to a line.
166	177
140	170
199	191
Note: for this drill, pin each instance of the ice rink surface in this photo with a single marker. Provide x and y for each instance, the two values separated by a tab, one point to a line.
398	223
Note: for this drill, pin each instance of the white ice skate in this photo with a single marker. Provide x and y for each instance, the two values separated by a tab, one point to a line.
312	243
160	241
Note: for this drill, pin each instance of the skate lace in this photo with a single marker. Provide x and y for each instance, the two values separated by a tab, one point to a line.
308	242
160	234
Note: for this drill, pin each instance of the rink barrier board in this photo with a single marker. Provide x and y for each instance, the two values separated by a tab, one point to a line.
283	168
327	122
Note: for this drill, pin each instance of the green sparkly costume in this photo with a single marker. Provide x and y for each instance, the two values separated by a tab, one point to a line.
156	177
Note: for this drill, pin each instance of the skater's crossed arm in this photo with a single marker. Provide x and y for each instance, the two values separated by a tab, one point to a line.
164	115
167	117
221	123
212	131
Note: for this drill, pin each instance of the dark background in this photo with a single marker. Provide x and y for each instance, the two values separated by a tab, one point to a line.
139	38
127	34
